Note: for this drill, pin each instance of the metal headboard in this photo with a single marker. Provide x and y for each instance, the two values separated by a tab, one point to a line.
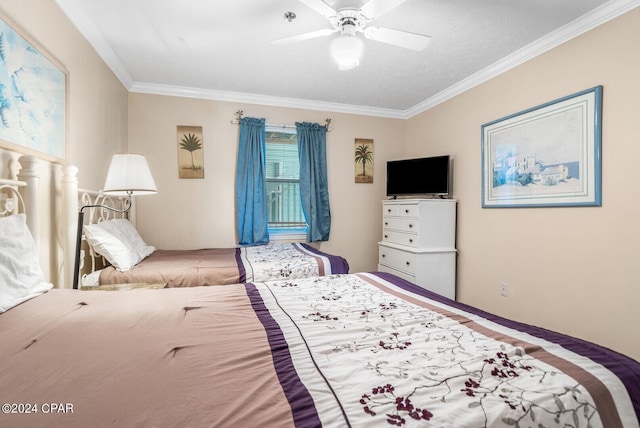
96	215
11	201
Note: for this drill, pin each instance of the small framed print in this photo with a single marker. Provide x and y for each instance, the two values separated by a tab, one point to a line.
190	152
363	166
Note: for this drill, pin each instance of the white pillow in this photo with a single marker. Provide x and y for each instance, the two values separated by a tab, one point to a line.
21	276
119	242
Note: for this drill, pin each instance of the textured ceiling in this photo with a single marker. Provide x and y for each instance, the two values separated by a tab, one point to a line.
222	50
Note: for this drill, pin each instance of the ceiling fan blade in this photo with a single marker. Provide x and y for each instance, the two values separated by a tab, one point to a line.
403	39
304	36
374	8
321	7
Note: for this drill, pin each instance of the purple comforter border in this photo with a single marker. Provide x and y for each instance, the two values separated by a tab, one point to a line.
626	368
302	406
338	264
241	270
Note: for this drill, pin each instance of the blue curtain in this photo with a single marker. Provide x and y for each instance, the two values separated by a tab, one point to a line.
314	192
251	187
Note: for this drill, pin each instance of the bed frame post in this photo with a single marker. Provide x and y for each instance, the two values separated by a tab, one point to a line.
29	174
69	219
14	169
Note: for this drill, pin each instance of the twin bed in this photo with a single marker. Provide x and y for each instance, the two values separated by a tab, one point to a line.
339	350
131	260
220	266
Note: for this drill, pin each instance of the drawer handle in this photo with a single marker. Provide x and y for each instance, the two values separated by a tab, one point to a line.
388	210
407	211
408	264
410	240
384	255
386	224
386	236
410	225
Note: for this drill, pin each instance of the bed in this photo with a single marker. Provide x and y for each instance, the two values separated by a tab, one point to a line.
130	260
220	266
365	349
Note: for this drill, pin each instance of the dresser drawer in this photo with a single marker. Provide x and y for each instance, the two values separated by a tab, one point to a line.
401	238
403	275
400	210
397	259
401	224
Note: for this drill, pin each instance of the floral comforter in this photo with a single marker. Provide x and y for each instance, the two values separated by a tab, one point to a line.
287	261
374	350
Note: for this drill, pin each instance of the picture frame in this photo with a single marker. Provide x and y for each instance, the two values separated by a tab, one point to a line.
33	96
546	156
363	160
190	152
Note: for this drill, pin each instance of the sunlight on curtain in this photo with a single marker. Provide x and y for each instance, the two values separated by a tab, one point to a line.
251	190
314	192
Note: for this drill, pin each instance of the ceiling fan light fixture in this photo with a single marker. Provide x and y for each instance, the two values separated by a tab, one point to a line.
346	50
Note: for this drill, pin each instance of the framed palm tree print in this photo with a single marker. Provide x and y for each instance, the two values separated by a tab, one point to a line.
363	160
190	152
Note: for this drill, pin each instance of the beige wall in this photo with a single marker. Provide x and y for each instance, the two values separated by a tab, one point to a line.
195	213
97	107
570	269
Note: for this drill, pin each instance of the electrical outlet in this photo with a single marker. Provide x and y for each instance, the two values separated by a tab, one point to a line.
504	289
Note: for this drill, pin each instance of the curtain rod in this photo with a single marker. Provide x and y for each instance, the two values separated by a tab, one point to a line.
238	114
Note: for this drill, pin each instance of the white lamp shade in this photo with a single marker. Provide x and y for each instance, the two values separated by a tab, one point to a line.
346	50
129	174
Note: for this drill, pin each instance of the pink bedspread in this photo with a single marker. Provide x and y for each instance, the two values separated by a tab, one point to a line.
360	350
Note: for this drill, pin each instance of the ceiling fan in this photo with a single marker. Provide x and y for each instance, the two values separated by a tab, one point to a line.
347	49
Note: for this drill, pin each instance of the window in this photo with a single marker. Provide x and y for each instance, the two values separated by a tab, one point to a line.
283	182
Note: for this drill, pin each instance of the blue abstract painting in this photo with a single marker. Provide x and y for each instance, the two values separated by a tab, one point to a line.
32	96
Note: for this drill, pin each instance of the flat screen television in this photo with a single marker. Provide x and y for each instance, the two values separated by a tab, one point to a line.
421	176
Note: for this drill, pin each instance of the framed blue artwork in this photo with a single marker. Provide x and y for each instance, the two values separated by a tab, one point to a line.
33	97
549	155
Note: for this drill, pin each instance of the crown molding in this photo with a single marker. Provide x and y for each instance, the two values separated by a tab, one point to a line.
86	27
240	97
595	18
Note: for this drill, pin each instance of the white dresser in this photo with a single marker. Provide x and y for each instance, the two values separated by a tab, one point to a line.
418	243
